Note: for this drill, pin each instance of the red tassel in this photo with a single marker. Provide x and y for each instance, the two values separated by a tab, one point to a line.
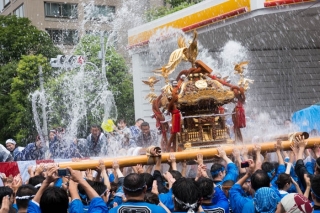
158	116
176	119
240	117
221	110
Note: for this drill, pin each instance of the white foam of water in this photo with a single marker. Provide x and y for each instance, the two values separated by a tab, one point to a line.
79	86
84	92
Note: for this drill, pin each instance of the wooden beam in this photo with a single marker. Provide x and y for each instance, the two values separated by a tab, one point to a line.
180	156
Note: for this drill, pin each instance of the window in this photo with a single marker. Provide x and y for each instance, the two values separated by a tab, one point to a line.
66	37
19	11
61	10
97	33
98	12
4	4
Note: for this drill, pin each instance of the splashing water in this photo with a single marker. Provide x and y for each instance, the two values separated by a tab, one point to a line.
77	97
37	98
74	99
82	94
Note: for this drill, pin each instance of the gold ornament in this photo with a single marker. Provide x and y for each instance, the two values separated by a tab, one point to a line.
186	53
151	82
201	84
239	68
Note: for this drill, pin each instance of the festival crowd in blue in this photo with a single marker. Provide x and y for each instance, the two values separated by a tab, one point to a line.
244	182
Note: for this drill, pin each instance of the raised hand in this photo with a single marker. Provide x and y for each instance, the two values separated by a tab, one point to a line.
301	142
278	145
251	167
244	151
266	156
30	171
124	199
307	179
89	174
316	151
39	169
172	161
172	158
75	175
139	168
169	178
5	204
7	181
202	169
184	164
52	174
302	145
155	187
257	148
199	159
294	149
155	151
221	152
236	153
16	183
115	165
292	157
101	166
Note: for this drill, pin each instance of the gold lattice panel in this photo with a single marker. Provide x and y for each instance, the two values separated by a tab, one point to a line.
190	94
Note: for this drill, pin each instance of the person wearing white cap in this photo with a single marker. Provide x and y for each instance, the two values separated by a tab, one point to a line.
12	147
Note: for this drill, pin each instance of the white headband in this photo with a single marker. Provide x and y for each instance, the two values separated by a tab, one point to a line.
27	197
10	141
38	185
188	206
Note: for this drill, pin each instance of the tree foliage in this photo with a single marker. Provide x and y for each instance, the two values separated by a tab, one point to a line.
121	84
18	37
23	49
24	83
119	79
7	73
175	5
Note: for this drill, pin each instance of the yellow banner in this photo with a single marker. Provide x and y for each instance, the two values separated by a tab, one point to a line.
214	13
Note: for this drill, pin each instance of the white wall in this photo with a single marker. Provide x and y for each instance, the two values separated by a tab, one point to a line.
285	80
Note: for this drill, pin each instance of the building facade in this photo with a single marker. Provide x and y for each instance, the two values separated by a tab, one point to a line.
66	21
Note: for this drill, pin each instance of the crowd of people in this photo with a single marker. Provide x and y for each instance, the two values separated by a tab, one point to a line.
98	143
242	182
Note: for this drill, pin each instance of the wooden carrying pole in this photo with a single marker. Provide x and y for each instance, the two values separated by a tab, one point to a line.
180	156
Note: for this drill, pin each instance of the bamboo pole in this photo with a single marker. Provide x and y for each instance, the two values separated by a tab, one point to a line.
180	156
